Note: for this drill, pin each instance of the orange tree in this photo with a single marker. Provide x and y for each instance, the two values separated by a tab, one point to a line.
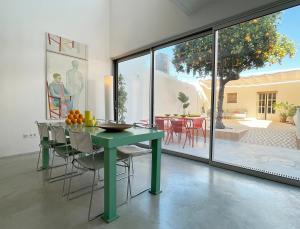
248	45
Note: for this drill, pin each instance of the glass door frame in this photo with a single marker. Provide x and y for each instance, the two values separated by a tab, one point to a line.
115	79
212	29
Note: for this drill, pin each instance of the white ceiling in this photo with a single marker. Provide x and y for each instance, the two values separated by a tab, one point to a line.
191	6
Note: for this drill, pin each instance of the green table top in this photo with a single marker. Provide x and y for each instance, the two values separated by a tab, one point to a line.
129	136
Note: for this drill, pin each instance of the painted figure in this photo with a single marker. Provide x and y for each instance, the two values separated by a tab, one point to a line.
75	83
57	89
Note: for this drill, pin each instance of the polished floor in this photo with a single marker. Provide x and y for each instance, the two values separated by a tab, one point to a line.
194	195
267	146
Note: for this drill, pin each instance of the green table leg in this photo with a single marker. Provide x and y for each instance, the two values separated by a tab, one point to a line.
156	164
110	207
45	153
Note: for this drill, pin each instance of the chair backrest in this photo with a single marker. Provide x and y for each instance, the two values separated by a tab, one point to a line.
160	123
73	141
81	141
178	125
43	129
58	134
197	122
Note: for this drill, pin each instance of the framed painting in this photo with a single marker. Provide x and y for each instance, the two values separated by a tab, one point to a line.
66	76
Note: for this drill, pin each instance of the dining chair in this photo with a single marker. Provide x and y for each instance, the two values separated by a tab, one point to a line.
63	150
162	124
43	129
90	159
131	151
178	127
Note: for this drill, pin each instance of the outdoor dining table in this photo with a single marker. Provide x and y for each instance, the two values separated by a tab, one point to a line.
109	141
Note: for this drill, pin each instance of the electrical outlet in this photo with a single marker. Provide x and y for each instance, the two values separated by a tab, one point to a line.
30	135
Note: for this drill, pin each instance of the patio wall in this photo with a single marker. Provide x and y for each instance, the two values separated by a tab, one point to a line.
286	84
166	93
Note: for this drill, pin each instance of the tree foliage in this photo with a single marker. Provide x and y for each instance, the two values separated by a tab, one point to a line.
122	98
244	46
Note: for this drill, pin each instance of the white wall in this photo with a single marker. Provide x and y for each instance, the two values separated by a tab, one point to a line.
23	25
166	95
136	23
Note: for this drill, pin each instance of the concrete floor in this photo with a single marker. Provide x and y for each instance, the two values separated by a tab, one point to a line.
283	161
194	195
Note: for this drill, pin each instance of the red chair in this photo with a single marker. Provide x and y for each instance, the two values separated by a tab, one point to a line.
198	124
178	126
162	124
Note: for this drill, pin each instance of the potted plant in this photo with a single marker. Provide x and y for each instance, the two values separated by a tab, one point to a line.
285	110
122	110
184	99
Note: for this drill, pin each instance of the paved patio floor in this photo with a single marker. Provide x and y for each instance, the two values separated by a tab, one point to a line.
267	146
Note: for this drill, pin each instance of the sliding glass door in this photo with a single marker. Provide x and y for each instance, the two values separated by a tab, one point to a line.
182	95
258	80
245	76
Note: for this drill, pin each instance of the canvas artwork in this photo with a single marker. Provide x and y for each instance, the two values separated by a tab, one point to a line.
66	76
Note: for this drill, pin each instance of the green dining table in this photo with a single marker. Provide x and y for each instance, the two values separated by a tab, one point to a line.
109	141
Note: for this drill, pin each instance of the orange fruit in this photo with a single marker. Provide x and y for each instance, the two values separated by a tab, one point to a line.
71	112
79	121
80	116
70	116
75	116
77	112
74	121
68	121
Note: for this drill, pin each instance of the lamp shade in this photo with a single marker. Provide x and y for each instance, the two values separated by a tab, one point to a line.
108	93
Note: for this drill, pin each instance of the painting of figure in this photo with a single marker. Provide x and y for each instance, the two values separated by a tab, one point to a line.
66	77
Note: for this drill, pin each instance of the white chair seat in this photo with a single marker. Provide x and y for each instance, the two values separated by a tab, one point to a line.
133	150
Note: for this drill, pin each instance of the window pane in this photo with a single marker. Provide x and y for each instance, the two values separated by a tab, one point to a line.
134	89
257	58
182	84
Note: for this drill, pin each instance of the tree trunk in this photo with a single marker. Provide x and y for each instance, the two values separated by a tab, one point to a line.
219	122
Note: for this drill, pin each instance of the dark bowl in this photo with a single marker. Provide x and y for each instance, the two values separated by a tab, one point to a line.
114	127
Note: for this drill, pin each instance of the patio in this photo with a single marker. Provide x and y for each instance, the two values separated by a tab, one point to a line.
267	146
